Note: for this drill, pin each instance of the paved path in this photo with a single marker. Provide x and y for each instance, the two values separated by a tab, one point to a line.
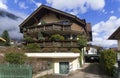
90	70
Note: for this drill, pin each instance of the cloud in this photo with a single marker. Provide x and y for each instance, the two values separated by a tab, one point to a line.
3	4
15	1
11	25
104	11
22	5
111	12
81	6
103	29
36	3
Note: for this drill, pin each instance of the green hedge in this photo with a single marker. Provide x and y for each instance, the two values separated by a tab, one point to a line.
15	58
107	61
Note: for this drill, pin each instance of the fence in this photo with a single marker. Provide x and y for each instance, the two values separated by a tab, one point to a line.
15	71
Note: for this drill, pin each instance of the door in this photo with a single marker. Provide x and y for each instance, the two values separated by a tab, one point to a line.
64	67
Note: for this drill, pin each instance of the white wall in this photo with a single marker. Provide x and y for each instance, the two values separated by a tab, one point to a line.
92	50
56	67
73	64
119	44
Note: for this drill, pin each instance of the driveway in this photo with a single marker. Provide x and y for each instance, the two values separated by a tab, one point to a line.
90	70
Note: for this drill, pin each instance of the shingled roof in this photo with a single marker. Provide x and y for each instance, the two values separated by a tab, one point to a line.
115	35
37	14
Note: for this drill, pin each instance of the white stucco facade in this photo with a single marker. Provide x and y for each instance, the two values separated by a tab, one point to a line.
73	64
119	44
92	50
71	58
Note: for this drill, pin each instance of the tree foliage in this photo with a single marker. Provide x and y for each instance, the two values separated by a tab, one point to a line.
82	41
6	36
107	61
15	58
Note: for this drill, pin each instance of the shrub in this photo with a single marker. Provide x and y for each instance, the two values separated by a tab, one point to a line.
107	61
32	47
15	58
56	37
28	39
75	50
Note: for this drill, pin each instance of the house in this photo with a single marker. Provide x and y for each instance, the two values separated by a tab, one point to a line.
2	39
116	36
44	24
92	53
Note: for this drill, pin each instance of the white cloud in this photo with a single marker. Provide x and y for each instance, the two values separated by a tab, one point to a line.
103	29
22	5
104	11
112	12
3	4
36	3
15	1
12	27
80	5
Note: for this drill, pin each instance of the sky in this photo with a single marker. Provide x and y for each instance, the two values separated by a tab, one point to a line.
104	15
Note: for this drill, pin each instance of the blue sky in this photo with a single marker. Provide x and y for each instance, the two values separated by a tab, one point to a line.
104	15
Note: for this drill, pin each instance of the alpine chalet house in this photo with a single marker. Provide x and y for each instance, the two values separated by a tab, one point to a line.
116	36
58	31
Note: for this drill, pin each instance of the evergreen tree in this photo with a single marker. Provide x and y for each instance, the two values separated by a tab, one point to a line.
6	36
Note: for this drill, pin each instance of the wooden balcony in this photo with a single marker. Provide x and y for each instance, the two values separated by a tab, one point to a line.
59	44
48	28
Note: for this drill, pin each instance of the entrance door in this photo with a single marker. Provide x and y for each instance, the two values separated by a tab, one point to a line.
64	67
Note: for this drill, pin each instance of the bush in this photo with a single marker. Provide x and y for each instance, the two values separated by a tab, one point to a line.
28	39
107	61
32	47
15	58
57	37
75	50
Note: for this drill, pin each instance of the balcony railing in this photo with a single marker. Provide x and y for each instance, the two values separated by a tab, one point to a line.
59	44
47	28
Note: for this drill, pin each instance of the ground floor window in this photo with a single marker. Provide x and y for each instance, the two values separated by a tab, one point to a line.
64	67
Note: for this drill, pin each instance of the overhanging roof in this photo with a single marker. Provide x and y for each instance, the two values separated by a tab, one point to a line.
115	35
1	39
37	14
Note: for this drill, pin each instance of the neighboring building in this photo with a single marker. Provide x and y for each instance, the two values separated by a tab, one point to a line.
116	36
2	39
45	22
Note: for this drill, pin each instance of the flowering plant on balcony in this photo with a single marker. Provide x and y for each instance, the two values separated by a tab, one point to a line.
57	37
29	39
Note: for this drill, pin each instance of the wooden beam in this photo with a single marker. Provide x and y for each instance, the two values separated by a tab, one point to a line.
35	19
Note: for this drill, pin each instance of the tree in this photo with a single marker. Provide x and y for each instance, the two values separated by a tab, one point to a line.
82	41
6	36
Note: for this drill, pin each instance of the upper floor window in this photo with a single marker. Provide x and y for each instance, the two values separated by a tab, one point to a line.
65	22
